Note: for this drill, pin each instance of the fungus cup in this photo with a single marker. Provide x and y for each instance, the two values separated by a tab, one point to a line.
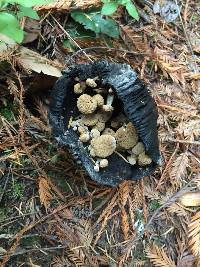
139	109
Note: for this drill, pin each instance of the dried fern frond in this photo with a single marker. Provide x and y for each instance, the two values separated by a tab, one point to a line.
45	193
177	209
74	258
179	169
194	234
159	258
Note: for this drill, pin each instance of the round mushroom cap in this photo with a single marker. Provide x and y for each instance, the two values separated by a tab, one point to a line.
82	129
144	159
91	83
100	126
138	148
89	119
79	88
84	137
103	163
86	104
95	133
126	136
132	159
109	131
104	116
107	108
103	146
100	100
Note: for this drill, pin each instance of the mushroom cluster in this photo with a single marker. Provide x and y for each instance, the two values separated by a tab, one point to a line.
104	128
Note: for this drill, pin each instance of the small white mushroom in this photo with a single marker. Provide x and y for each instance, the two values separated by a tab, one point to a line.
95	133
103	163
84	137
144	159
79	88
138	148
132	159
100	100
91	82
96	167
108	106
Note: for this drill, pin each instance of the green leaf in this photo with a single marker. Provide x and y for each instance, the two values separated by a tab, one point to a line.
27	12
109	8
10	27
87	20
132	11
29	3
107	26
95	22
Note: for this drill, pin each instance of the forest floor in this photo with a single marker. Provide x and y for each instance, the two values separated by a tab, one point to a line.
51	212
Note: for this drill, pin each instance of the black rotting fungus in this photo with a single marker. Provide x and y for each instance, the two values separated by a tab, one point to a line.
138	106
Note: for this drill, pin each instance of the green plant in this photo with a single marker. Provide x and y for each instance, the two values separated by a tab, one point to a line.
110	6
11	11
97	22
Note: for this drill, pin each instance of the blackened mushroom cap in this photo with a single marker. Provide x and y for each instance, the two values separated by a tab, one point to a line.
138	105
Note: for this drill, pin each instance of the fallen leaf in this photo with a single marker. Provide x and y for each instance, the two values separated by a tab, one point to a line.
31	60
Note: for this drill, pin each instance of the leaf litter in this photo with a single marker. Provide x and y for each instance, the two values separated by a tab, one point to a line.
80	223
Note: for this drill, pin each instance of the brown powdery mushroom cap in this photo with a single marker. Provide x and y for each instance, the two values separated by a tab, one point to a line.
126	137
100	100
109	131
86	104
79	88
144	159
89	119
138	148
103	146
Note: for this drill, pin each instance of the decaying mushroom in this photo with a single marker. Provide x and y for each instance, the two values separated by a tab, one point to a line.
86	104
126	137
103	146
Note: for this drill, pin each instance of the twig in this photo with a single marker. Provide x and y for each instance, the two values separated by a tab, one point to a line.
68	35
170	201
35	249
109	49
184	141
5	185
